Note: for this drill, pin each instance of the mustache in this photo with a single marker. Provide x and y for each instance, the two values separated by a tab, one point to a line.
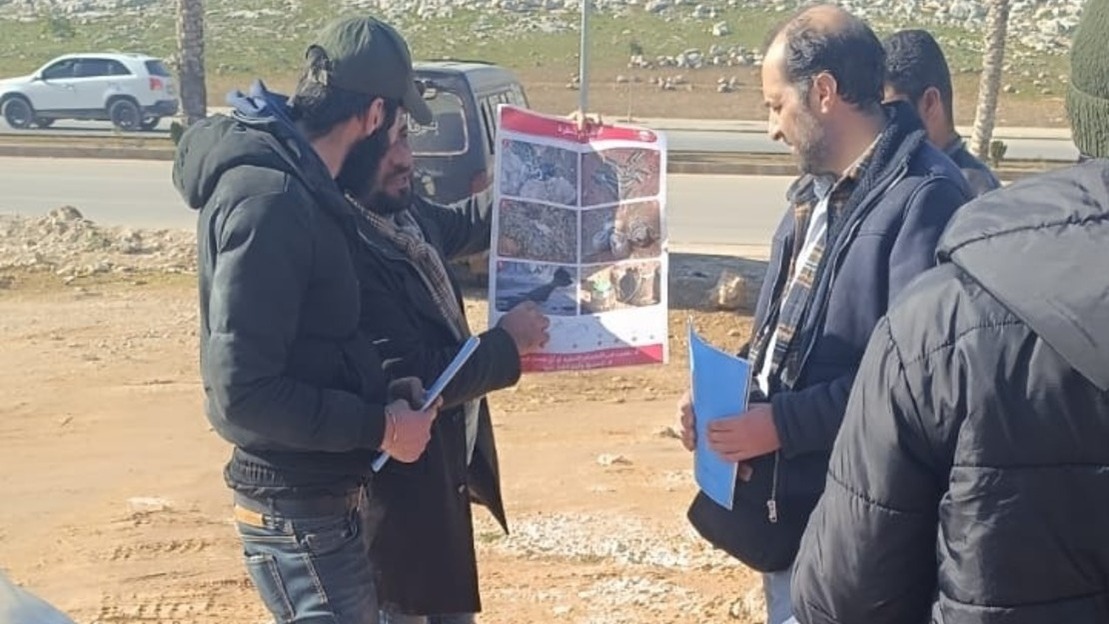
401	170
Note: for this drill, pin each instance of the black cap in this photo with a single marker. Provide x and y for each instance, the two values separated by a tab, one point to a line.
366	55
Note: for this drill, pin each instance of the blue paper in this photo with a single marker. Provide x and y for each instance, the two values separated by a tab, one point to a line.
719	385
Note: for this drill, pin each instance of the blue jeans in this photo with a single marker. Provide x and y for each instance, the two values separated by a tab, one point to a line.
388	617
779	606
19	605
310	561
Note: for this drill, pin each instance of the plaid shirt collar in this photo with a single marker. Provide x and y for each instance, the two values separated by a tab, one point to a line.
856	170
838	190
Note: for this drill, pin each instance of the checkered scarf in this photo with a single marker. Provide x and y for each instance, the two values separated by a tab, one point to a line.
405	233
791	298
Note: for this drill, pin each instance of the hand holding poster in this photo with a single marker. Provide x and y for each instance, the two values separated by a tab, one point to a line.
579	228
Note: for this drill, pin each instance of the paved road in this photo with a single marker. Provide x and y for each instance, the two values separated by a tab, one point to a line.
81	128
705	212
690	135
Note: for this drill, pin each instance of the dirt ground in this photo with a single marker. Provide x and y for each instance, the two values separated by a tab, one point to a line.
115	511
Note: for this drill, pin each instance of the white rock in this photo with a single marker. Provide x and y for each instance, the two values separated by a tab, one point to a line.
607	459
144	504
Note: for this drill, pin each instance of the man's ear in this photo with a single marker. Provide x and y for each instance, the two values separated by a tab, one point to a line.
373	118
931	105
824	90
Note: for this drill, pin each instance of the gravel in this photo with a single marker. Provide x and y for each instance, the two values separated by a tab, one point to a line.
71	246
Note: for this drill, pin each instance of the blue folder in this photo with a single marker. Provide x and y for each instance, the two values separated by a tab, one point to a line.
719	385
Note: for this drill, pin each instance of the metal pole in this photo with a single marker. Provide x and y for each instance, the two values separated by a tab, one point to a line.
583	58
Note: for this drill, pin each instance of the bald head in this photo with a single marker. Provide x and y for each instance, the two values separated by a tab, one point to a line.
822	18
827	39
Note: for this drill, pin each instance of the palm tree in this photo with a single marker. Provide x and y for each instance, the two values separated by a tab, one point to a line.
190	60
997	28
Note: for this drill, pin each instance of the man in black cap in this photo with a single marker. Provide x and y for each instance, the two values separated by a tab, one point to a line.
288	378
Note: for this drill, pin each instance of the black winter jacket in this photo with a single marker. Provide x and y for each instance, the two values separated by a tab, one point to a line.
288	378
970	481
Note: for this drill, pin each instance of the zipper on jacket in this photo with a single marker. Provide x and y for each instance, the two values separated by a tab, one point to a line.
821	309
842	246
772	504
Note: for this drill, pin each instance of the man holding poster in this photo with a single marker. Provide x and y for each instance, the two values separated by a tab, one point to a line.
413	312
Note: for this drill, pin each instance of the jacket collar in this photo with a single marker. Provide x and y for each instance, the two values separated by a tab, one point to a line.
376	244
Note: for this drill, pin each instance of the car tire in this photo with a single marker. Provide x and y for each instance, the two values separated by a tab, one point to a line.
44	122
125	115
149	123
18	113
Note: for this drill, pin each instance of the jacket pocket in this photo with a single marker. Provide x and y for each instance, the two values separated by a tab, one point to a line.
327	536
364	369
757	489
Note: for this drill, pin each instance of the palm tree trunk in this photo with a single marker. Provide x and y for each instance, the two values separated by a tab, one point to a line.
190	65
997	28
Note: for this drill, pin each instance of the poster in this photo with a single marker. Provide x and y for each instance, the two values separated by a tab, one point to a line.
579	227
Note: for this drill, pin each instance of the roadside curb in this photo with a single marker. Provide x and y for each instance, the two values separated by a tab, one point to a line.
86	151
676	164
688	163
735	126
693	167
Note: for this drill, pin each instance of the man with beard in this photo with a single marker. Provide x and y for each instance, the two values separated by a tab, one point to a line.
413	310
863	221
287	376
970	482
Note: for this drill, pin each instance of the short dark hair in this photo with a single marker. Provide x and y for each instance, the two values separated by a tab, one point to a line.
319	107
915	63
850	52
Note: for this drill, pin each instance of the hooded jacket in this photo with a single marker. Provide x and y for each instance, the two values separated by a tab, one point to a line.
970	481
287	377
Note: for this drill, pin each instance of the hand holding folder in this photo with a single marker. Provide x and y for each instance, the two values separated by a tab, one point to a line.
440	384
719	384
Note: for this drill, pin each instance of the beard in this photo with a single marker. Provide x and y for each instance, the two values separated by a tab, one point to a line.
386	204
811	144
360	172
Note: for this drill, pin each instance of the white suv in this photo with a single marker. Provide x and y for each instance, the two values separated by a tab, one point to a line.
133	91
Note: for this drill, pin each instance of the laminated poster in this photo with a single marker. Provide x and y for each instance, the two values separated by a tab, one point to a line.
579	227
